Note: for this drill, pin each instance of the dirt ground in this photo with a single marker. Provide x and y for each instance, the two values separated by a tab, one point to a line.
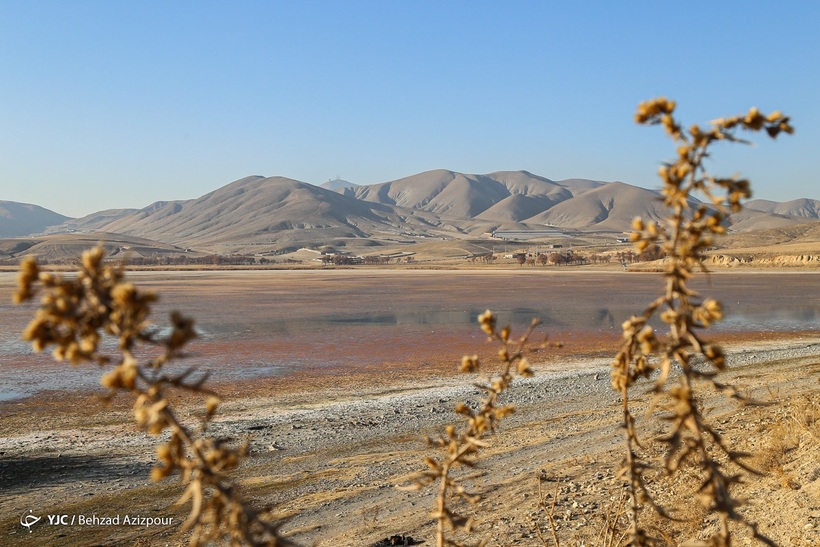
329	445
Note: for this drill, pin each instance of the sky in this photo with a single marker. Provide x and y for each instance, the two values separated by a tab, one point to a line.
120	104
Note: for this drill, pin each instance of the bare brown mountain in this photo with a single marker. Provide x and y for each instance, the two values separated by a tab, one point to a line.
71	245
754	220
91	223
273	212
338	184
258	214
804	236
22	219
609	207
612	206
504	196
805	208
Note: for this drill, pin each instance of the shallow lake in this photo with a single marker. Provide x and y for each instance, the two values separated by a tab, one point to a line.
269	323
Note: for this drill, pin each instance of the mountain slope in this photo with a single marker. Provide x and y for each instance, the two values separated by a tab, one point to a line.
254	210
60	246
22	219
338	184
259	214
91	223
804	208
608	207
501	196
752	219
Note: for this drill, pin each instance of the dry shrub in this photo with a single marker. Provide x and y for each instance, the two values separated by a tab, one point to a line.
804	414
75	314
796	424
782	439
680	364
461	446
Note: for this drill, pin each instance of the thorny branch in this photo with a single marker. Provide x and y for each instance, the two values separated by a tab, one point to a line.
75	313
684	236
461	446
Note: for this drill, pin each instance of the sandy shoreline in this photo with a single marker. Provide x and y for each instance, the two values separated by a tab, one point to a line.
335	457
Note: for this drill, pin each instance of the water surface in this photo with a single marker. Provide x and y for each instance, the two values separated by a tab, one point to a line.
269	323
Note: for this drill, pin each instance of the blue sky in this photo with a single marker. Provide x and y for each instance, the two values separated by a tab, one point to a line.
108	104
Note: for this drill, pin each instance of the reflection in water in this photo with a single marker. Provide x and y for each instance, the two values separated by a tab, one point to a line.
605	318
570	316
272	327
430	317
564	316
801	317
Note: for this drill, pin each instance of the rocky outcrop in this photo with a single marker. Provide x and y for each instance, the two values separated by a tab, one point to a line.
775	261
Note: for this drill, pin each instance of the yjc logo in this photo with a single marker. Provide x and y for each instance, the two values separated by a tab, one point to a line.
29	520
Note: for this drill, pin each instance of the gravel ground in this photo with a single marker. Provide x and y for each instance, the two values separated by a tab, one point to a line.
333	457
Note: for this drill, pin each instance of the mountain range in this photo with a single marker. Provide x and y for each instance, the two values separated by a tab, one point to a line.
275	214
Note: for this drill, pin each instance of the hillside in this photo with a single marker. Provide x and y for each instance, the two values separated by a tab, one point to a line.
804	207
805	236
609	207
22	219
255	211
753	220
61	246
338	184
267	215
501	196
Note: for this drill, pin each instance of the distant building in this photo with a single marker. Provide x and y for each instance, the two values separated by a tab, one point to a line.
519	235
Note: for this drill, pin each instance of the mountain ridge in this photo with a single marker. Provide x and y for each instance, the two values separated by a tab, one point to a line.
279	213
22	219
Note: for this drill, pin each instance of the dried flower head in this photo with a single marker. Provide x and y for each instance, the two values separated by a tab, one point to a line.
684	236
74	315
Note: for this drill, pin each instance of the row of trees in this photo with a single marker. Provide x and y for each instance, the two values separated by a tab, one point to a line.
652	252
349	260
566	258
162	260
188	260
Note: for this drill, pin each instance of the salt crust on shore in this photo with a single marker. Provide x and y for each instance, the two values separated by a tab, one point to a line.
343	450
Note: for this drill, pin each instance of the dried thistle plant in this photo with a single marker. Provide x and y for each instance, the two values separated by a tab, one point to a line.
461	446
75	313
683	236
549	511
